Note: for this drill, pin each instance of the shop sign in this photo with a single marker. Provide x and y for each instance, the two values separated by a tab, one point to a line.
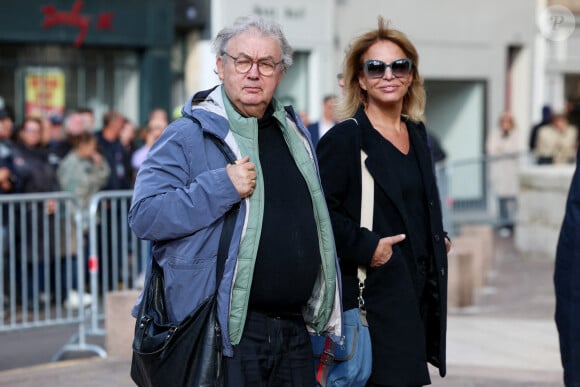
286	12
74	18
44	91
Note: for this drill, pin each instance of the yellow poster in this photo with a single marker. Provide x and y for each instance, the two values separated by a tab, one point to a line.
44	92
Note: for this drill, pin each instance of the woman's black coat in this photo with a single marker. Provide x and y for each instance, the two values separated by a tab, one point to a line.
392	305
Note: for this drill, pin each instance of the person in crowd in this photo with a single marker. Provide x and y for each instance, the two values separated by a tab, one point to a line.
128	136
7	123
281	275
54	128
503	151
153	130
158	114
438	154
115	153
31	162
573	109
74	125
62	135
31	159
55	140
9	183
88	118
111	238
327	120
557	141
304	117
9	179
7	172
567	291
83	172
340	80
405	253
545	120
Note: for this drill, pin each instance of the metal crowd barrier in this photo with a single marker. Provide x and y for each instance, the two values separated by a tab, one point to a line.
42	263
117	259
38	259
47	256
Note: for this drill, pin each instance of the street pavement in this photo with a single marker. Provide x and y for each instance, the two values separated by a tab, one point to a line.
506	339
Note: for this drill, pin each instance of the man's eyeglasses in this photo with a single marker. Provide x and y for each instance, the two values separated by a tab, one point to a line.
377	68
243	64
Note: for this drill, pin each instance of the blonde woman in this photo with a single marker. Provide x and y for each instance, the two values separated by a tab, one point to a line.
405	253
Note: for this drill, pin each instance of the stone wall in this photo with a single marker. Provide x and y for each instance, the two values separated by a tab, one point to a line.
541	207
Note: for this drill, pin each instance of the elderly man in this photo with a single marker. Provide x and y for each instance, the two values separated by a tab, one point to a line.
280	278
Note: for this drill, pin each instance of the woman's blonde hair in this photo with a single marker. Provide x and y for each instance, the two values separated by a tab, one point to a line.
354	96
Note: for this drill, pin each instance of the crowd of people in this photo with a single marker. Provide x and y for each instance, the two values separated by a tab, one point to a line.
555	138
28	148
66	153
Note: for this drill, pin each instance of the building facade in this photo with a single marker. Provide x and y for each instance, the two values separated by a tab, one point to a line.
477	58
58	55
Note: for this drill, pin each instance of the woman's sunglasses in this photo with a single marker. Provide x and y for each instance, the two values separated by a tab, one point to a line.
377	68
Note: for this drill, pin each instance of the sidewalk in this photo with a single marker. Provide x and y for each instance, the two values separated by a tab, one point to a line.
508	339
502	352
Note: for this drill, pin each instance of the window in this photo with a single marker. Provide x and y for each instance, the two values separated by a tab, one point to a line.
101	79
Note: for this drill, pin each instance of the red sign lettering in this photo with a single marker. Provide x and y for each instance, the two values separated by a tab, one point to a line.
74	18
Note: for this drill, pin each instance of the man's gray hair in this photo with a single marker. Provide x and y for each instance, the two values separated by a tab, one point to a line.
265	26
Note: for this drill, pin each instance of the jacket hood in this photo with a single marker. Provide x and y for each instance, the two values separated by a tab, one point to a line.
207	107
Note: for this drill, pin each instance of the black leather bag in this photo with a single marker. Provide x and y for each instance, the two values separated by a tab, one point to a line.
183	354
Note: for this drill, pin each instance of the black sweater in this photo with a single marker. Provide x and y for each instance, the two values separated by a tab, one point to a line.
288	257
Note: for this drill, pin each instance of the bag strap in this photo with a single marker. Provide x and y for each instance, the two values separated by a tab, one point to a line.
367	205
224	244
228	226
366	220
229	219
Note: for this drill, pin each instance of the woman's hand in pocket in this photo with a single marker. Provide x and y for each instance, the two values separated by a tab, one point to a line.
384	250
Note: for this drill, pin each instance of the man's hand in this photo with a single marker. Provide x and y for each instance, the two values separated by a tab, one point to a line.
384	250
243	176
